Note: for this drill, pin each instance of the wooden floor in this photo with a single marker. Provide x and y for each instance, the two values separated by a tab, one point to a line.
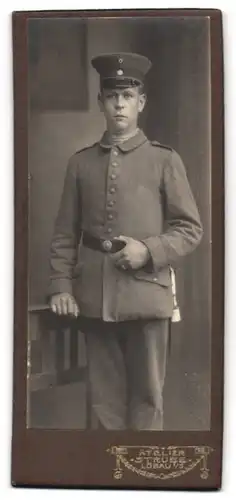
186	403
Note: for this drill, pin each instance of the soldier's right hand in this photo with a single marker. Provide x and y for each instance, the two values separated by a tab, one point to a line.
64	303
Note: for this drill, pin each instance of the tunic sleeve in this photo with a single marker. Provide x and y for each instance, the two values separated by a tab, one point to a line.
183	228
63	252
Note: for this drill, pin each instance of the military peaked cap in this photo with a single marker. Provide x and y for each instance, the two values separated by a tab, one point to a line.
121	69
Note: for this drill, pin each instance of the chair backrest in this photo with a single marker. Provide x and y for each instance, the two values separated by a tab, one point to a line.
56	350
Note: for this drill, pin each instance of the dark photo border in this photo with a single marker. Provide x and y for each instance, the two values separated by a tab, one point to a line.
89	459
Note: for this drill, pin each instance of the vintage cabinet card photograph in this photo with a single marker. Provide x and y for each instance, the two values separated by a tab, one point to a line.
119	223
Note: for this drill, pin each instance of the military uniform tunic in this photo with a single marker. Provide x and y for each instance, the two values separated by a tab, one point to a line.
137	189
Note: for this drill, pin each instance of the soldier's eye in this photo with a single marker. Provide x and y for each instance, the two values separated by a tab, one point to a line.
128	95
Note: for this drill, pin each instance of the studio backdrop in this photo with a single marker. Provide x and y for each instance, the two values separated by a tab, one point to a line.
63	118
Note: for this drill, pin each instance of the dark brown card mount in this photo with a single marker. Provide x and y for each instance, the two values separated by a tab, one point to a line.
55	441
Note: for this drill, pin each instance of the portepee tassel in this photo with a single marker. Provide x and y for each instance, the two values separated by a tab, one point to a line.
176	316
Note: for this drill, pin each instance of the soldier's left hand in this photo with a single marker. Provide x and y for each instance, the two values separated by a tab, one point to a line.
133	256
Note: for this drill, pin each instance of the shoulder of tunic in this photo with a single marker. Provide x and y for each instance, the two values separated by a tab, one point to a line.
159	145
86	148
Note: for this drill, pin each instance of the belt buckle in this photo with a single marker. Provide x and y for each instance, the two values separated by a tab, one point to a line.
107	245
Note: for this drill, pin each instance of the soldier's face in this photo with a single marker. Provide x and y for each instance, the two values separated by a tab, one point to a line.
121	107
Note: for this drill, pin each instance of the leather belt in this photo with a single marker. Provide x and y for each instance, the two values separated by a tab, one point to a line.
101	244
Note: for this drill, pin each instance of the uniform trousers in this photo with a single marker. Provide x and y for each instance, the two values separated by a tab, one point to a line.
126	372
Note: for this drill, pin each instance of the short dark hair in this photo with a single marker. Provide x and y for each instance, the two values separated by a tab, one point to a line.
141	88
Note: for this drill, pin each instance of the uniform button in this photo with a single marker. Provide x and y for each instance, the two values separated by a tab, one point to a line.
155	280
110	216
113	176
114	163
109	229
110	203
112	190
115	153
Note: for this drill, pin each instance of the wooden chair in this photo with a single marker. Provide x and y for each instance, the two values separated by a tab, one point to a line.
56	355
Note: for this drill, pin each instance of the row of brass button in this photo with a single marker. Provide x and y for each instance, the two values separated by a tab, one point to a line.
112	191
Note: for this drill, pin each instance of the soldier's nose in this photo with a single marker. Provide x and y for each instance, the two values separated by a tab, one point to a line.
119	102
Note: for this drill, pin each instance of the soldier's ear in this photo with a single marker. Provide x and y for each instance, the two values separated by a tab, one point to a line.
142	101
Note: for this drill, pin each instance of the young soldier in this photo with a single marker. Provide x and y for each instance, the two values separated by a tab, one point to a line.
127	214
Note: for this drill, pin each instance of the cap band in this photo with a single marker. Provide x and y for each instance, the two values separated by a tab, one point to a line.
111	83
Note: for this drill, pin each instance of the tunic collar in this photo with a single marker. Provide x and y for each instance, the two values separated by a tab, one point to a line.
132	143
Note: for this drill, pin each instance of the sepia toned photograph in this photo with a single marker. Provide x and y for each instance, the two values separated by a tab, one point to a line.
119	244
119	249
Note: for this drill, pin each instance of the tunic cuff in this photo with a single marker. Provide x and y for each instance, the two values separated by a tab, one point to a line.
61	285
157	252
